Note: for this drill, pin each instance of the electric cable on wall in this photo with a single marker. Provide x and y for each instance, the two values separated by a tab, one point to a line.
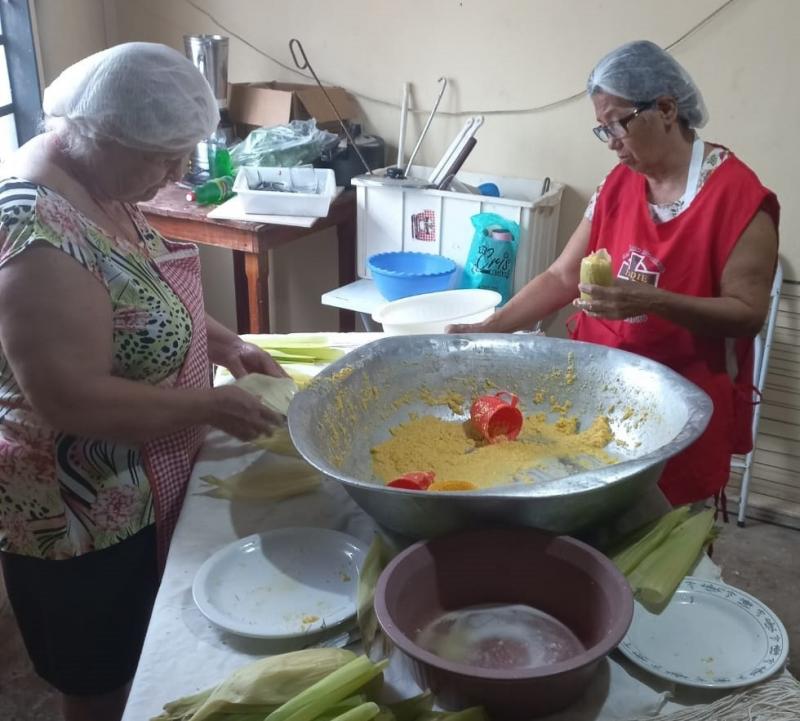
455	113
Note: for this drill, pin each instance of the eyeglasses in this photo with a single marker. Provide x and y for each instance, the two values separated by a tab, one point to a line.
619	128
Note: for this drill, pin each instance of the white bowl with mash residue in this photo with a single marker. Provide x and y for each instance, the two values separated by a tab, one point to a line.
433	312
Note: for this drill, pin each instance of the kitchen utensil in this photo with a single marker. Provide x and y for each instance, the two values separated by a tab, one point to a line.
209	54
468	131
353	404
424	132
496	416
710	635
295	47
401	141
433	312
414	481
456	164
282	583
579	607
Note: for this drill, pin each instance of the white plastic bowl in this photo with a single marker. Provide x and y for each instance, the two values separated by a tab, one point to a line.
433	312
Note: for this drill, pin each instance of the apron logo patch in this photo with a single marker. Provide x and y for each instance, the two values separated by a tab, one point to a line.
640	266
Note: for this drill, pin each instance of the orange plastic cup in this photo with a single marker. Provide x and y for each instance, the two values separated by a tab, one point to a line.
496	416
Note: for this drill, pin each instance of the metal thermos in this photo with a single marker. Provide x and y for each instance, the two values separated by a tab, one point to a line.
209	54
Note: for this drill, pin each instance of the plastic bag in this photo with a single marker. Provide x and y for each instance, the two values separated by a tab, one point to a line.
283	146
492	255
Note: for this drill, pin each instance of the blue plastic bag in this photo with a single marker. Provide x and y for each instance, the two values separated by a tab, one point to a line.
492	255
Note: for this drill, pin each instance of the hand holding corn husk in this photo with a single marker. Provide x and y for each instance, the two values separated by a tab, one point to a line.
596	270
284	474
604	296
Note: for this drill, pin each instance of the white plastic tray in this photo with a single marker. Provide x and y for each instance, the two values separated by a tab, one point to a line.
314	189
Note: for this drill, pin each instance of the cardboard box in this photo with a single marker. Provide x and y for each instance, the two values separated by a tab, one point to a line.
274	103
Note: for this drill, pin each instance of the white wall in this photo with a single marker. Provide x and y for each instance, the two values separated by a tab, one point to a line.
67	32
520	54
507	55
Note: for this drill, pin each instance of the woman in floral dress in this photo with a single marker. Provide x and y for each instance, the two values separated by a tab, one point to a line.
105	354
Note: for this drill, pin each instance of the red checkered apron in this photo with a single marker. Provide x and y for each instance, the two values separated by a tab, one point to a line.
169	460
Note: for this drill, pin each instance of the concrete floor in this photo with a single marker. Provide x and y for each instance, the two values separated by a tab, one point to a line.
762	559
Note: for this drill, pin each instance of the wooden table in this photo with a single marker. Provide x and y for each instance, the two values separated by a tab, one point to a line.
178	219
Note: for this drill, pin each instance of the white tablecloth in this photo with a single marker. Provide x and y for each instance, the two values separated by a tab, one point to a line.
184	653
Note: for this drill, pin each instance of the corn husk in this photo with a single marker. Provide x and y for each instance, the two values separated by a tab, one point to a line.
328	691
299	375
275	393
596	270
634	549
379	554
659	574
411	709
259	687
346	704
364	712
313	349
269	479
280	442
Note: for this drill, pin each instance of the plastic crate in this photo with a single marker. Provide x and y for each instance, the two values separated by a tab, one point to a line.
435	221
312	190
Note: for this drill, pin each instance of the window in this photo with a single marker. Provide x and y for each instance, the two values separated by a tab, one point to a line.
20	103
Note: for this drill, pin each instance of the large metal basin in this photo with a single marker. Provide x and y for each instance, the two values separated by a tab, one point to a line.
351	406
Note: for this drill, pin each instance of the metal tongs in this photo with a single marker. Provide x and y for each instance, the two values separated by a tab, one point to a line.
398	172
305	65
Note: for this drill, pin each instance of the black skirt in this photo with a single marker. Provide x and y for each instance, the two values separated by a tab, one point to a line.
84	619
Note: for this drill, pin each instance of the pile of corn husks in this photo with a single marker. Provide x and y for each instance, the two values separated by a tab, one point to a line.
656	558
318	684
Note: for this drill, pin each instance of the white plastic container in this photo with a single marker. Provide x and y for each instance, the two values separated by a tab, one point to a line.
392	217
313	190
433	312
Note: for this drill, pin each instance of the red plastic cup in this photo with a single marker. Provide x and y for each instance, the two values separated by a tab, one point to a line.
496	416
414	481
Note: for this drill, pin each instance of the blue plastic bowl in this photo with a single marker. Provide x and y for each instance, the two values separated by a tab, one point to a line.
401	274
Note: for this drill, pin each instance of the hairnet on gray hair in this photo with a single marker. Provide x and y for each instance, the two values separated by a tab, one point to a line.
641	72
145	96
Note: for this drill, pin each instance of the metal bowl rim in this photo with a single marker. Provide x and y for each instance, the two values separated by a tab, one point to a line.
700	409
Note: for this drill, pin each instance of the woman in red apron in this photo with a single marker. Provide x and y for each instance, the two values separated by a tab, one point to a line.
693	238
105	366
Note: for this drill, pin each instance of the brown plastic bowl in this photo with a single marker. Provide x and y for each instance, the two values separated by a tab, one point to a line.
559	575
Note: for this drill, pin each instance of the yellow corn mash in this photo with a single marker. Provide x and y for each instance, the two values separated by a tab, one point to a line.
452	451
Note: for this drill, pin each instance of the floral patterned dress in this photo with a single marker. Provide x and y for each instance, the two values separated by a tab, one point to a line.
61	495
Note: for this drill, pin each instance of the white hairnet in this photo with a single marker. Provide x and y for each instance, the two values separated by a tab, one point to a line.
145	96
640	72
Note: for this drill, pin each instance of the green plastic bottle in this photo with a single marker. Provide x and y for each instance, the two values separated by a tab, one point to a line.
219	161
213	191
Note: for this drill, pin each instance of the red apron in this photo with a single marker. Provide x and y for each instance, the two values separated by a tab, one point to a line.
687	255
169	460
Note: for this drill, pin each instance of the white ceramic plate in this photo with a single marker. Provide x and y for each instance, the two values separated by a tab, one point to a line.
281	584
711	635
